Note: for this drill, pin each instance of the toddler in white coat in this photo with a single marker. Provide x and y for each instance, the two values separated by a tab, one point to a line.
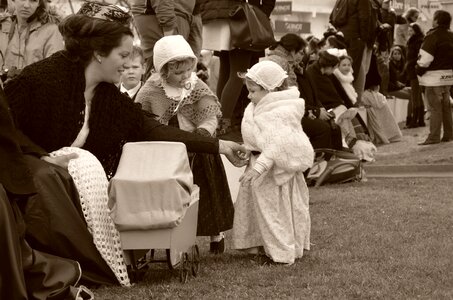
271	212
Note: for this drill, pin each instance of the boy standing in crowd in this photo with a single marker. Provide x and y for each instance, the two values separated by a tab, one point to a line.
134	69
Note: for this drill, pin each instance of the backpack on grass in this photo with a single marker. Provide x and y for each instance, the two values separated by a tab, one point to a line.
334	166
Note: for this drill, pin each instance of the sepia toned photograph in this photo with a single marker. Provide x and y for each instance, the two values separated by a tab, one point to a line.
226	149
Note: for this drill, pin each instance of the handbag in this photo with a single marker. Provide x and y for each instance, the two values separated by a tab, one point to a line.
250	28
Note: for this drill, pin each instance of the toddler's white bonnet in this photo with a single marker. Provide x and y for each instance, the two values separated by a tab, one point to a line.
267	73
170	47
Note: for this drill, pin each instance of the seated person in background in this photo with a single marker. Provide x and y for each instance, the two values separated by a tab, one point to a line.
397	79
397	76
311	51
344	75
381	123
317	121
331	96
285	54
342	81
134	69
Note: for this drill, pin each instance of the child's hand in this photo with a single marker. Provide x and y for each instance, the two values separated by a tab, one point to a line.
249	177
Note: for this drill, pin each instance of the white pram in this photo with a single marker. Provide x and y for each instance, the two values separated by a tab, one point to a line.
154	205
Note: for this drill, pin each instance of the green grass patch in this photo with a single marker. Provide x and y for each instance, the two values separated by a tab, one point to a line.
381	239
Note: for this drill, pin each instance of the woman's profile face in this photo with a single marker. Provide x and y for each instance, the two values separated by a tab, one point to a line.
112	65
25	8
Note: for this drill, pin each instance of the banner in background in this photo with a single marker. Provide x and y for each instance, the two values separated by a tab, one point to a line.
292	27
283	8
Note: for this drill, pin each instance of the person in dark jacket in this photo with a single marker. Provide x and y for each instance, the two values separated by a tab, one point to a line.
359	30
24	272
157	18
315	87
413	47
287	54
435	70
397	79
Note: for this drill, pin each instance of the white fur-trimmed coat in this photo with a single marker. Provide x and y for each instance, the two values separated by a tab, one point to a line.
273	211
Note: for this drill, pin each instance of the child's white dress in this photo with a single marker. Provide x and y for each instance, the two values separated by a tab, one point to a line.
273	212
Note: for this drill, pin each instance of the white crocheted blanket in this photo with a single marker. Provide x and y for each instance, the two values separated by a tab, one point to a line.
91	182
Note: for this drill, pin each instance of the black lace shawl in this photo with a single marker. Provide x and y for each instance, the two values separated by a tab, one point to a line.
48	104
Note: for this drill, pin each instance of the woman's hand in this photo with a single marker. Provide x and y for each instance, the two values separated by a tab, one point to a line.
249	177
324	115
62	160
311	115
236	154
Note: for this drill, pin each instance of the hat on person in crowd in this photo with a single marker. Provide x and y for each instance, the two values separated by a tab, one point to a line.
267	74
105	11
169	48
337	52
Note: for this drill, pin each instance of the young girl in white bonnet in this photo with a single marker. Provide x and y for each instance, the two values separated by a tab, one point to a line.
271	212
178	97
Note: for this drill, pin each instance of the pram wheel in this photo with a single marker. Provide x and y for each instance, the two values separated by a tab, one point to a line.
195	259
184	267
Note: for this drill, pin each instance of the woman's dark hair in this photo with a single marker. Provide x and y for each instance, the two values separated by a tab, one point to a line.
326	59
84	35
410	13
345	57
336	41
417	29
290	42
314	44
443	18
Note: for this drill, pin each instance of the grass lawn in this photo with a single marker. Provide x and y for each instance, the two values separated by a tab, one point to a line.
381	239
